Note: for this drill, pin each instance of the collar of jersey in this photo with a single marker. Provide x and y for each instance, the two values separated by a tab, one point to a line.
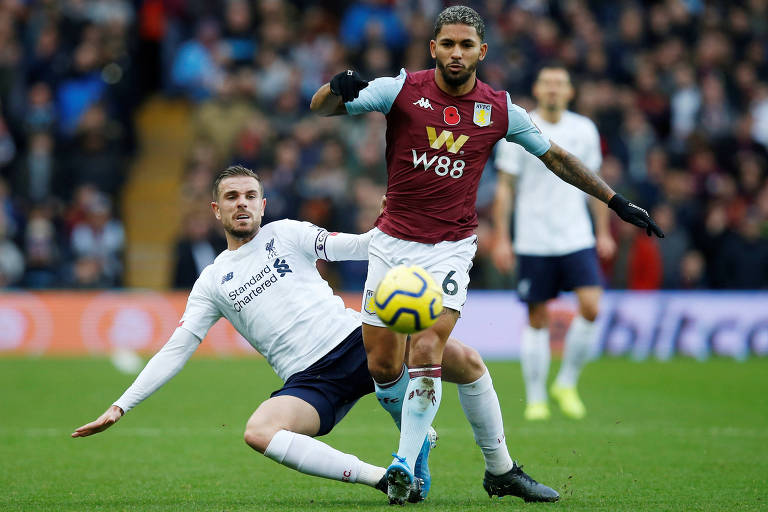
246	248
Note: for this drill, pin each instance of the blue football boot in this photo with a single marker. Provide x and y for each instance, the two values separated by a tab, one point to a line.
421	468
399	481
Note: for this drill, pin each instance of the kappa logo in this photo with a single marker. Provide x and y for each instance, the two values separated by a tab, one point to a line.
445	137
227	277
423	103
270	248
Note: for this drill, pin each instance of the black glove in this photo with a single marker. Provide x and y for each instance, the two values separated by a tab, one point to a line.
348	85
634	215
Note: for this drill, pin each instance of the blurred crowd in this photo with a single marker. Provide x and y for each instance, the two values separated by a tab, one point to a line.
678	89
67	94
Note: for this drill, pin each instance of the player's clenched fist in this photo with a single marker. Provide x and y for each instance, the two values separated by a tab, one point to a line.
348	85
634	215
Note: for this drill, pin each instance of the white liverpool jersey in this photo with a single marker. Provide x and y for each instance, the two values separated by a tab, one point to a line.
551	216
271	292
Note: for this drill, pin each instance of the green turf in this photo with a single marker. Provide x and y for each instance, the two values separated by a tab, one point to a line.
680	435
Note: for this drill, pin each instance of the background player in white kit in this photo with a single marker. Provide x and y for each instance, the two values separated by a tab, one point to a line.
442	124
554	243
267	285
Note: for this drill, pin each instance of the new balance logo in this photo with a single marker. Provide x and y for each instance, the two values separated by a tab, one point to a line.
227	277
282	267
423	103
445	137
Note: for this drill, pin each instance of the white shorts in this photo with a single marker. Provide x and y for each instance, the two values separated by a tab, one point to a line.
448	262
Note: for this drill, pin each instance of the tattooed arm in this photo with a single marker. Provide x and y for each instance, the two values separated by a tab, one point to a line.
570	169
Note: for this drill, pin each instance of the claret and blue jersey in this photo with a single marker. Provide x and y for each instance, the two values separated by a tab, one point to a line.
437	148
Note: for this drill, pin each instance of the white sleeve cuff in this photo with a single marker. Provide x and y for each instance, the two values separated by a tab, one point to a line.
345	246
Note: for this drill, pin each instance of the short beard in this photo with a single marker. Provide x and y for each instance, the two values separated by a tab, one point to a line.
456	80
242	234
551	107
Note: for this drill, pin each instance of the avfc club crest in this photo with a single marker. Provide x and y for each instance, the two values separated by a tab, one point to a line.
368	302
482	115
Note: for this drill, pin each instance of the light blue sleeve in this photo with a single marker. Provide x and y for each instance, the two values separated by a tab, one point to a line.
521	130
378	96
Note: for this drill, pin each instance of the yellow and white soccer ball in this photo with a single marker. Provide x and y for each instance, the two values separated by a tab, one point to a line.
408	300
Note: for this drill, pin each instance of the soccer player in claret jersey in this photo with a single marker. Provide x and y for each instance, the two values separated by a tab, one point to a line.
267	285
442	125
555	246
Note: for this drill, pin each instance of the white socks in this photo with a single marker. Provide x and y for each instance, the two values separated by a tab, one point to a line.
579	342
534	358
313	457
481	407
422	399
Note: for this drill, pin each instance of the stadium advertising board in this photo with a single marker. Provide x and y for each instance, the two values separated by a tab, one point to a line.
634	324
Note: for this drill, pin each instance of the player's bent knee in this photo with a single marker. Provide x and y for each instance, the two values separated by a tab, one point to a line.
589	312
538	317
385	352
427	350
385	370
475	365
461	364
258	435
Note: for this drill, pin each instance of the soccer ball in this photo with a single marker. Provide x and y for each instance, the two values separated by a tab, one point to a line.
408	300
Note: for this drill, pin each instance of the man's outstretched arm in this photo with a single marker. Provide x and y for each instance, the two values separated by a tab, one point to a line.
159	370
570	169
325	103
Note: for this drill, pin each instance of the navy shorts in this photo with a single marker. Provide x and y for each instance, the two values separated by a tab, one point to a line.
333	384
541	278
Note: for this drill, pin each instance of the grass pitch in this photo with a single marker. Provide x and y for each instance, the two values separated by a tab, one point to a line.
679	435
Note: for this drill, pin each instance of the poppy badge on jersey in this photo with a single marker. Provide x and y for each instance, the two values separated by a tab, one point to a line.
482	115
451	115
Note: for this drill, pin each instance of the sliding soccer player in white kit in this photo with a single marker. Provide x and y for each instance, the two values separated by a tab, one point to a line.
267	285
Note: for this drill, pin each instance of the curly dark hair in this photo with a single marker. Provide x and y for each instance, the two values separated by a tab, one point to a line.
460	15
